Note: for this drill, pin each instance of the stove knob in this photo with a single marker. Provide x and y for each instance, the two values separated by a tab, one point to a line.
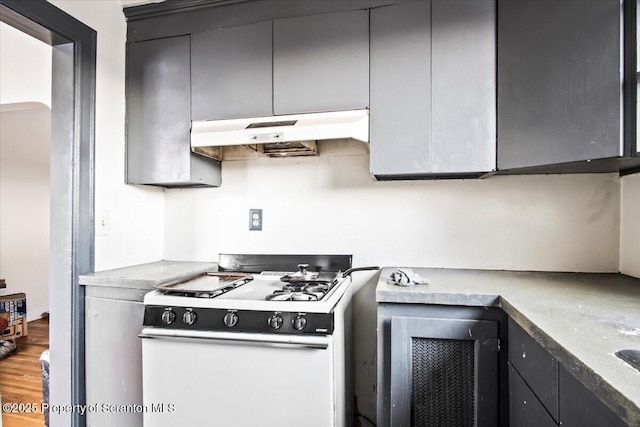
275	321
299	323
168	317
189	317
230	319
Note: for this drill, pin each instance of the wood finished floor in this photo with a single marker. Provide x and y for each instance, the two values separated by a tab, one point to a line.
21	377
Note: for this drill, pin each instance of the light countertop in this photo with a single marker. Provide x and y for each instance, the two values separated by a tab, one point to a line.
145	276
582	319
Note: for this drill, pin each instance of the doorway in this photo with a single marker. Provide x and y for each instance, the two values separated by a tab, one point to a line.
71	188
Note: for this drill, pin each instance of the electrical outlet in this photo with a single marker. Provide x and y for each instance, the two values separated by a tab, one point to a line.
255	219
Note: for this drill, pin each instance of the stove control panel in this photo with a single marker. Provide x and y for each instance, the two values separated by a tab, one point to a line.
215	319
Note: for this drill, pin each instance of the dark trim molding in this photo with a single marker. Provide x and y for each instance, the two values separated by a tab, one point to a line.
145	11
608	165
630	78
13	18
43	18
71	188
630	171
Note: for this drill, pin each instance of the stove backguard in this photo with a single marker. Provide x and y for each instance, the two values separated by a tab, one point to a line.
256	263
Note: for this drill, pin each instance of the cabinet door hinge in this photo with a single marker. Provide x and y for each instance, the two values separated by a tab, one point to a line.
492	343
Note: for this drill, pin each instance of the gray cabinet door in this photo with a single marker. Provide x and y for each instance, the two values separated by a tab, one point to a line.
525	409
463	90
444	372
433	96
231	72
536	366
159	117
321	63
559	82
579	407
400	127
113	359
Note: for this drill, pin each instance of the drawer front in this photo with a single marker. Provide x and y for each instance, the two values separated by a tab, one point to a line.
536	367
524	407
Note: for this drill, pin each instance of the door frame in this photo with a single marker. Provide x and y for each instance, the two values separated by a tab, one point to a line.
71	189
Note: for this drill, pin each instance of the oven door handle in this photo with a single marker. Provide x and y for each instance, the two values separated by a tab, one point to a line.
240	339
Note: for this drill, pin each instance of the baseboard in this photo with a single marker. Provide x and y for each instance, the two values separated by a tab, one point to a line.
34	312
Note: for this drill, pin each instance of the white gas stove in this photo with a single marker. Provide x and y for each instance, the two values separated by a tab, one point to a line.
241	348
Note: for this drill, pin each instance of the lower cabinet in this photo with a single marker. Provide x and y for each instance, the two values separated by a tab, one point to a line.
524	407
460	366
542	392
113	354
535	366
579	407
440	367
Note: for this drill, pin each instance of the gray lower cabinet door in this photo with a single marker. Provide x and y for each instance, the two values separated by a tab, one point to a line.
444	372
113	360
433	100
159	117
536	366
579	407
321	63
524	407
559	82
231	72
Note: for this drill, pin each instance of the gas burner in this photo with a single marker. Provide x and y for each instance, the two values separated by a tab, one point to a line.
285	295
299	292
306	287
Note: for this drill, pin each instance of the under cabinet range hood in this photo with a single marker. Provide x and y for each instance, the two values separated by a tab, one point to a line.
278	136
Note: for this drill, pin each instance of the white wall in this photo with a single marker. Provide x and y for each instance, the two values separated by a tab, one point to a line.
330	204
25	68
136	214
25	129
24	204
630	226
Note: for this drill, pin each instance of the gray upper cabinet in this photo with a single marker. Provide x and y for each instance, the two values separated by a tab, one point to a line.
559	91
400	126
463	94
159	117
433	97
321	63
231	72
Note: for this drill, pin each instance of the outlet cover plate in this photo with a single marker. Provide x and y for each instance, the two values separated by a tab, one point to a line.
255	219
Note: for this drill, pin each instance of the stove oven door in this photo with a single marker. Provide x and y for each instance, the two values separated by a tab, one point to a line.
233	379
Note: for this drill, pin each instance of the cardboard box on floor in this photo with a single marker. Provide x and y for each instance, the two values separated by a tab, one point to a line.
14	309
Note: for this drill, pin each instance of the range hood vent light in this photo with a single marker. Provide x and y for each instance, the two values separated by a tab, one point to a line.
291	135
